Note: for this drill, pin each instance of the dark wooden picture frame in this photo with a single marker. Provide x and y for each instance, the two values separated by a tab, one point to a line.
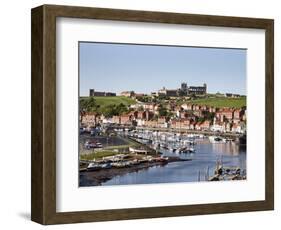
43	197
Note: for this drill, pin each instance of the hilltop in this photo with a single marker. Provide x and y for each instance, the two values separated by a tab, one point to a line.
105	101
220	102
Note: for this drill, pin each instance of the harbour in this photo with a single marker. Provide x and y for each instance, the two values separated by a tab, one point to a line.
164	157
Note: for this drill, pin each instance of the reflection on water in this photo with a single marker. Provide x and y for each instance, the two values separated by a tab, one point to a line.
228	149
204	160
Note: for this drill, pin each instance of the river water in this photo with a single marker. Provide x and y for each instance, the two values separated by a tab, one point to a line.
202	164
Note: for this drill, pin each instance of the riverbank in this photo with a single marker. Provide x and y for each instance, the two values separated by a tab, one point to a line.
94	178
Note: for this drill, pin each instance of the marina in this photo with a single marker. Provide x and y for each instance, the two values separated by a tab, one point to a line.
162	157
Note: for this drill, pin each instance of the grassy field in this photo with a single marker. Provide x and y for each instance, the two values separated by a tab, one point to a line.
221	102
98	155
129	143
218	102
104	101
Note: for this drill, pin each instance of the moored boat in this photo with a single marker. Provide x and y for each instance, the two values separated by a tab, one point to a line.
217	139
186	150
106	166
93	167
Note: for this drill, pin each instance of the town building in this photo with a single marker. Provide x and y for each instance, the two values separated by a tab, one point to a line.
196	107
89	119
168	92
218	127
197	90
237	114
150	124
183	114
138	95
178	110
126	119
145	115
140	122
212	109
186	106
127	93
153	107
184	90
133	114
198	113
204	108
205	125
232	95
239	128
93	93
225	113
192	125
116	119
180	124
141	115
244	117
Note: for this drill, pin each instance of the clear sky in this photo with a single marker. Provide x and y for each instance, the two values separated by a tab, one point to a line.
147	68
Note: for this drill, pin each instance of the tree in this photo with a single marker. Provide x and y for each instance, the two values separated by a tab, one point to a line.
121	108
162	111
114	110
209	115
88	104
108	111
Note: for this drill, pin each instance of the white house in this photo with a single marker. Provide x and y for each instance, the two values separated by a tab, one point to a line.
218	127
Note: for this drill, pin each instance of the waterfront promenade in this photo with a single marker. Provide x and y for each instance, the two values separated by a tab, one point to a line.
179	130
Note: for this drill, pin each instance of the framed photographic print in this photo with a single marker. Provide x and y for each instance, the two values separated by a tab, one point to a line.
141	114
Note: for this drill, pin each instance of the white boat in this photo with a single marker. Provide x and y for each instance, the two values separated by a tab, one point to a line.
140	151
191	150
93	166
186	150
217	139
106	166
173	149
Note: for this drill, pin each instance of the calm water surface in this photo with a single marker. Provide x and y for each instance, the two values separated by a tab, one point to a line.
203	160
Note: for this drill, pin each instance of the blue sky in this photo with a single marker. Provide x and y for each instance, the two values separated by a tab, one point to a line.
147	68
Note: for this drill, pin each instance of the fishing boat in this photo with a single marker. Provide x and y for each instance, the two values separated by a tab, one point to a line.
217	139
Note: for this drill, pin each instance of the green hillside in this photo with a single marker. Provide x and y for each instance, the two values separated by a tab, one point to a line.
104	101
220	102
108	106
